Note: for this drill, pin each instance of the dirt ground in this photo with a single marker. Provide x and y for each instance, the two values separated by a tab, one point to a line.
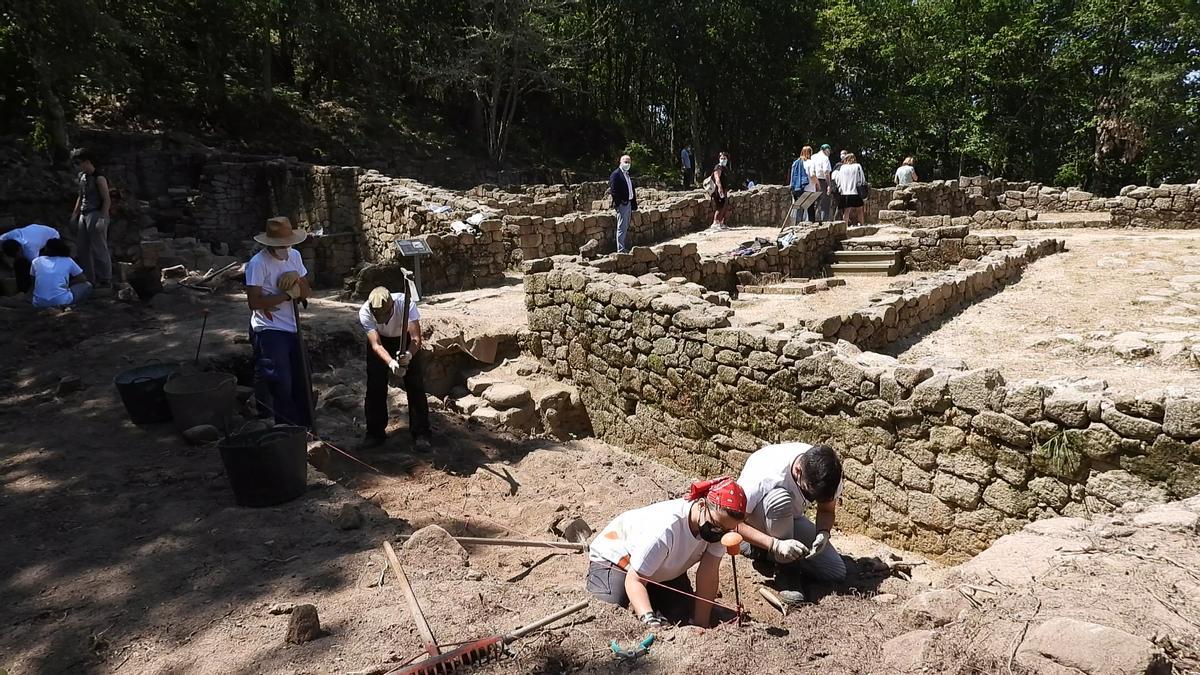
711	242
794	310
1087	311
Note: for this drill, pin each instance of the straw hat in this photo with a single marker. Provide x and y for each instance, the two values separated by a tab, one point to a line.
279	232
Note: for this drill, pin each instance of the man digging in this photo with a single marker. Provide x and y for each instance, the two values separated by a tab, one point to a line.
394	350
780	482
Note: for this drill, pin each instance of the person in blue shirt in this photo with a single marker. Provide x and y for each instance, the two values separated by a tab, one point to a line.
799	180
688	162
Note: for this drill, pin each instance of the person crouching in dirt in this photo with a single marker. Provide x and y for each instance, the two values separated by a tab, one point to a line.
780	482
394	349
275	277
641	558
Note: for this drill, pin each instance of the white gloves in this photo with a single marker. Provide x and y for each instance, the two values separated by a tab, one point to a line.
788	550
404	358
395	366
819	544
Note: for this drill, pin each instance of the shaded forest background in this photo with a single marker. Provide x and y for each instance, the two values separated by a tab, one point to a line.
1098	93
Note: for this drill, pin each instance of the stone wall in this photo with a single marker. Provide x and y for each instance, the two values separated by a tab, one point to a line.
1052	199
940	247
939	461
1164	207
650	224
912	306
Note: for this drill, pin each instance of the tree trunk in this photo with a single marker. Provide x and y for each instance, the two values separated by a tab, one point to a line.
55	116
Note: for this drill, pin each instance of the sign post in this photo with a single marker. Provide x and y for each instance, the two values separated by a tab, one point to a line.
415	249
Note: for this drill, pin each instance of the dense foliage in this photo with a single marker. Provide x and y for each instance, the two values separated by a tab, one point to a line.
1092	92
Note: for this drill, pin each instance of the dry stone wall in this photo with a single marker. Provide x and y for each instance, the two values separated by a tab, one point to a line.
911	306
940	247
1174	207
938	460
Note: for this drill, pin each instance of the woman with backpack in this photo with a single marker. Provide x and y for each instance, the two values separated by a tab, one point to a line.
851	184
721	182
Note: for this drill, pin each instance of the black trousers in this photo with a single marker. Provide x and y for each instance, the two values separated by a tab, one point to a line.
21	268
375	405
689	178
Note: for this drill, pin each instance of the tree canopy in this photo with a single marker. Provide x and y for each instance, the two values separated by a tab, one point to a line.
1091	92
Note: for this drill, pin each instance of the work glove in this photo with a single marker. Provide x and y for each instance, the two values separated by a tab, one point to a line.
289	282
395	366
787	550
404	358
653	618
819	544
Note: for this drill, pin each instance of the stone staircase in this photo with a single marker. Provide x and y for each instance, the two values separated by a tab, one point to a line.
866	263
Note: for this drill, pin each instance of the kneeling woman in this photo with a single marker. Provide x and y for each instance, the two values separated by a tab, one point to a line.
659	543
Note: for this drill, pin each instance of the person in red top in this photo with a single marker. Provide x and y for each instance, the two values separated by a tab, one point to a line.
641	558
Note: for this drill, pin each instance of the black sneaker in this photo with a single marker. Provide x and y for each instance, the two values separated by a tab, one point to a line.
372	441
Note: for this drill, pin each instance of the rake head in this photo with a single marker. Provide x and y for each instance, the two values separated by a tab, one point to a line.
471	653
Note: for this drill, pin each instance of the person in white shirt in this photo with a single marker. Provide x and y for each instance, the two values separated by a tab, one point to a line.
907	173
781	481
641	558
822	169
810	165
394	349
849	178
275	277
22	245
58	280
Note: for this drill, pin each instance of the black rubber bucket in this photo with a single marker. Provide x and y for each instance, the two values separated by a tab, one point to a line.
266	467
141	391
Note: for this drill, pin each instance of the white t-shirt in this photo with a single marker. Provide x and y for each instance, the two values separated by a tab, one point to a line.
31	238
821	167
904	175
52	280
263	271
395	324
655	541
770	468
810	167
849	177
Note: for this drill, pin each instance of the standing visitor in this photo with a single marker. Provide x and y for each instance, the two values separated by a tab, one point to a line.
274	278
799	182
624	200
721	179
57	280
24	245
907	173
806	153
852	185
641	559
90	218
394	348
822	170
688	162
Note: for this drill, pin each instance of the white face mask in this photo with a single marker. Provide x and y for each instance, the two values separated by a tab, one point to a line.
280	252
625	166
724	162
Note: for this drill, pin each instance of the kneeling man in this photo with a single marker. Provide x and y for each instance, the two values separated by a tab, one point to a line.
394	349
780	482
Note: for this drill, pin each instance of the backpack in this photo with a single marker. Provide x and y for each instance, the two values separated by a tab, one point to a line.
710	185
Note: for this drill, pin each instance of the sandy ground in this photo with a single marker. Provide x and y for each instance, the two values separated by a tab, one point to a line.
1065	314
794	310
714	242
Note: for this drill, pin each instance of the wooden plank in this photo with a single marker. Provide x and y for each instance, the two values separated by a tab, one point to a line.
431	645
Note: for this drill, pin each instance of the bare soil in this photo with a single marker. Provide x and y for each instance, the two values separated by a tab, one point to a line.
794	310
1068	310
711	242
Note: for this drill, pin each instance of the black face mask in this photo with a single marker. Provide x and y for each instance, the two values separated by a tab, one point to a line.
711	533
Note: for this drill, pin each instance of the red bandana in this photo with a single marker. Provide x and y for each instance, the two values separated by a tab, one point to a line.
721	491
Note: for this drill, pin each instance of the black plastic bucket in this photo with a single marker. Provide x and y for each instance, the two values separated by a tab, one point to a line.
141	391
266	467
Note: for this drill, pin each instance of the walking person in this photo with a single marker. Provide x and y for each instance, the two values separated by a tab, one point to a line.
810	166
722	182
852	185
23	245
822	170
799	181
781	481
90	219
57	280
275	276
907	173
624	200
388	330
660	543
688	161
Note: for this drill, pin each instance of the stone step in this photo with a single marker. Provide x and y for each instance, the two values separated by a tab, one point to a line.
865	269
866	256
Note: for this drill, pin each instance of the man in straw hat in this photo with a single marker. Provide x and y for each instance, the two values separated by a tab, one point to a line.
394	350
274	278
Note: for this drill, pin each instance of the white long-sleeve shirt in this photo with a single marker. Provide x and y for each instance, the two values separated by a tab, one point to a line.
849	177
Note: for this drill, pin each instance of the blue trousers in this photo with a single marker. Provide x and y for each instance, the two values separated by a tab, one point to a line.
624	214
279	382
